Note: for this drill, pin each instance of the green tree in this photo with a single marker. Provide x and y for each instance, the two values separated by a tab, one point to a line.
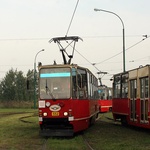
14	86
20	86
30	79
8	86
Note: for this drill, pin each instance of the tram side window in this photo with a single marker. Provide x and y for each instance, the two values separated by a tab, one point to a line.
117	86
74	83
82	83
144	87
124	86
110	93
89	85
92	87
133	88
95	86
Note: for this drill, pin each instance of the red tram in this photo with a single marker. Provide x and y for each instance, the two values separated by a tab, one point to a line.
68	96
105	98
131	97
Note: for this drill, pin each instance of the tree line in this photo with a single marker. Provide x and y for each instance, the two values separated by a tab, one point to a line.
13	87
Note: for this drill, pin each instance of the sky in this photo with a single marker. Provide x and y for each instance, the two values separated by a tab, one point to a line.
26	26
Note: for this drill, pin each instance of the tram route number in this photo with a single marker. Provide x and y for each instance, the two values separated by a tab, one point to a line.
55	113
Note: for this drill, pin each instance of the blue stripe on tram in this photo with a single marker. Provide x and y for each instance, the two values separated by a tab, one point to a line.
51	75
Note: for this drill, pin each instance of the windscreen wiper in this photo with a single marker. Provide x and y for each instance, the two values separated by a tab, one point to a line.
48	91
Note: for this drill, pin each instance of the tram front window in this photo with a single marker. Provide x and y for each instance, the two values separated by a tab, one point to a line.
55	83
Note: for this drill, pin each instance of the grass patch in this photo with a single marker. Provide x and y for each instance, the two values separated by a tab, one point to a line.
104	135
75	143
16	104
15	134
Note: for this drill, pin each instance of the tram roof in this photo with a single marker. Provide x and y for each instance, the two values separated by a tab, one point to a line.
141	66
63	65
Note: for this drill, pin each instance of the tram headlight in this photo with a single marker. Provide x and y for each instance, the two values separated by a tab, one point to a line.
45	114
48	104
65	113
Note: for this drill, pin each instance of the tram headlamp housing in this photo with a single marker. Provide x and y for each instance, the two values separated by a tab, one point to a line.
45	114
65	113
48	104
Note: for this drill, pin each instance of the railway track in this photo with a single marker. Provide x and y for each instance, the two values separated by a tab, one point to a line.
44	146
23	119
5	114
87	144
86	140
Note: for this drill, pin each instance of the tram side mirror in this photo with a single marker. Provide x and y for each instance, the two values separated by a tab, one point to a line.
111	79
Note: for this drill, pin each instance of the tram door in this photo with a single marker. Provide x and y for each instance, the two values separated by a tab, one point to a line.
144	100
133	101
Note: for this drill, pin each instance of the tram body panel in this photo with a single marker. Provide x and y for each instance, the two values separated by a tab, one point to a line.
64	102
105	98
135	108
105	105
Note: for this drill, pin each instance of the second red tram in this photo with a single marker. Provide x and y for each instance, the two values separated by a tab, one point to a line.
68	97
131	97
105	98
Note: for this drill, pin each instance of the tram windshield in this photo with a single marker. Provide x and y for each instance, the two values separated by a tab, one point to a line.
105	93
55	83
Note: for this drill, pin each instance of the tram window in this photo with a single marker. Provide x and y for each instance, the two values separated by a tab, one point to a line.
92	86
74	83
117	86
120	86
124	86
144	87
82	83
88	84
109	93
133	88
55	83
79	80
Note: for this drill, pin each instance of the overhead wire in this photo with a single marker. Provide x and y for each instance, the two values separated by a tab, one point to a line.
72	17
47	38
122	52
93	64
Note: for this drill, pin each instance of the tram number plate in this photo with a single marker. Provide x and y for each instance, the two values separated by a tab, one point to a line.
55	113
